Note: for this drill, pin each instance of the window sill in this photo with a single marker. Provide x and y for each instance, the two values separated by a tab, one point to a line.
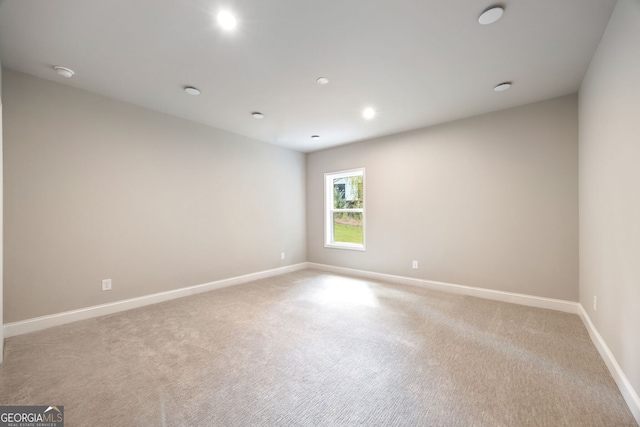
348	246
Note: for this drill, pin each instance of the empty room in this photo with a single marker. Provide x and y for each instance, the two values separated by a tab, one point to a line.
338	213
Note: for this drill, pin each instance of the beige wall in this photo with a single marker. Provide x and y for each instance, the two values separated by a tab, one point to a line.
97	189
490	201
610	188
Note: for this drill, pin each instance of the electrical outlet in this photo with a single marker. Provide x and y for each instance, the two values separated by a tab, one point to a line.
282	255
106	285
415	265
595	303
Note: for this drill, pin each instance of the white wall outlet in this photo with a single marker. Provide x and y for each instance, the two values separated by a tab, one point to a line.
281	255
106	285
595	303
415	265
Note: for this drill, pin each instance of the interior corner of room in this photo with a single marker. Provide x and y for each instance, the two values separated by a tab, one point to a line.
536	204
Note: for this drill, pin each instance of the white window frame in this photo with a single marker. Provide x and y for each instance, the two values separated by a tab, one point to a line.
329	210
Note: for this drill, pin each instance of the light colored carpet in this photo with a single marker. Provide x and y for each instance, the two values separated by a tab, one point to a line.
317	349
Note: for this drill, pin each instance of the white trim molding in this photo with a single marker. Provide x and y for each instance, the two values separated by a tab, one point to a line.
329	209
44	322
627	390
515	298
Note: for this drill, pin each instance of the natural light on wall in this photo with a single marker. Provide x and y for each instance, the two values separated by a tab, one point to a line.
344	209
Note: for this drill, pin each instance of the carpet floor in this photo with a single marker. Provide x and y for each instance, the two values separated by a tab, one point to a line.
316	349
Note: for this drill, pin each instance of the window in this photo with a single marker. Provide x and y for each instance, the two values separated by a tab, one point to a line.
344	209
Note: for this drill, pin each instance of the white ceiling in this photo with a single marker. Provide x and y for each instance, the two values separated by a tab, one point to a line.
417	62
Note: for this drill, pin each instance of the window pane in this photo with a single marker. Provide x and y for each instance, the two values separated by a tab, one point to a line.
339	201
347	192
344	191
347	227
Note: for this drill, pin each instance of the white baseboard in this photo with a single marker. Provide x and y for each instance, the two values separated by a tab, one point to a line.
44	322
511	297
627	390
629	394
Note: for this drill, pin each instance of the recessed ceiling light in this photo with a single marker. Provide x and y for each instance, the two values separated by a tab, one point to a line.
322	80
502	87
315	136
227	20
63	71
491	15
192	90
257	115
368	113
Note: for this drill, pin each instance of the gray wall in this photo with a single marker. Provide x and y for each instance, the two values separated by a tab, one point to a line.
1	228
490	201
97	189
610	188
